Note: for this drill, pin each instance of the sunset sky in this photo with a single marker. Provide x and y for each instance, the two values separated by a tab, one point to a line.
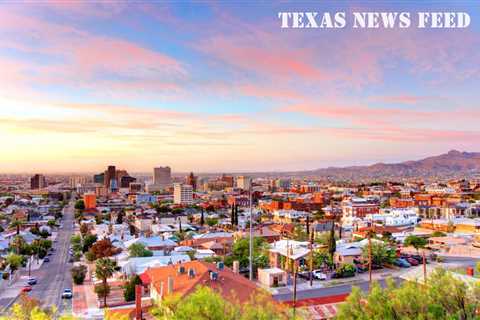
213	87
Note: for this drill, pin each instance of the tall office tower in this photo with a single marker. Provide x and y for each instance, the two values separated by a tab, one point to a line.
125	181
229	180
109	175
38	181
162	177
99	178
182	194
244	182
192	180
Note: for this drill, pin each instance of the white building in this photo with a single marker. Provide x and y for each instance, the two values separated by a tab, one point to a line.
182	194
244	182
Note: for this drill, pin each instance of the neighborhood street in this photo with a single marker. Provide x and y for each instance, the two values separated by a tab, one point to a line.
54	276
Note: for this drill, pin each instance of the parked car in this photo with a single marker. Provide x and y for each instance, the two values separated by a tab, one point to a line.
361	268
46	259
27	288
32	281
412	261
67	294
402	263
319	275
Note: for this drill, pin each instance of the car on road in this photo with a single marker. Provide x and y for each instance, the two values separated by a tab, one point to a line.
67	294
319	275
402	263
27	288
32	281
46	259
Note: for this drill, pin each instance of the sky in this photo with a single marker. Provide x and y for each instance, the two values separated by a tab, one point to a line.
220	86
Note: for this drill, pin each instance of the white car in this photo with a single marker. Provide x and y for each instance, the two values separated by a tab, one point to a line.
319	275
67	294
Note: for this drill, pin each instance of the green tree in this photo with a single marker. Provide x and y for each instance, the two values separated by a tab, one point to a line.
241	251
381	253
88	241
444	298
78	274
18	244
332	243
16	224
14	261
139	250
299	233
129	288
104	269
80	205
211	221
415	241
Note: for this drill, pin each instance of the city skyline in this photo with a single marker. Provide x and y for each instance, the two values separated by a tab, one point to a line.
206	87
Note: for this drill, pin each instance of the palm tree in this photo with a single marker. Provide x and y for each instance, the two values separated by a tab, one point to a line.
18	243
104	269
16	224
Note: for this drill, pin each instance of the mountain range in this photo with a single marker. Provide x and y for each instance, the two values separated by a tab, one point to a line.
453	164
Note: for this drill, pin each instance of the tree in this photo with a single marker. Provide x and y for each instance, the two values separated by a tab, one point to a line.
381	253
104	269
139	250
202	218
104	248
445	297
332	243
88	241
80	205
205	304
129	288
415	241
119	218
299	233
14	261
438	234
211	222
78	274
18	244
321	258
16	224
51	223
241	250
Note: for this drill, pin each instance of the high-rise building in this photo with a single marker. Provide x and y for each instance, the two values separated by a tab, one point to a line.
182	194
162	176
38	181
76	181
125	181
244	182
110	174
229	180
192	181
99	178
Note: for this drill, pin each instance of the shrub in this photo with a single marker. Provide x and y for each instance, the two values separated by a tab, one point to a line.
78	274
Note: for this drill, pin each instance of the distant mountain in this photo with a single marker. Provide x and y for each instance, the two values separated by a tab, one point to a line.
448	165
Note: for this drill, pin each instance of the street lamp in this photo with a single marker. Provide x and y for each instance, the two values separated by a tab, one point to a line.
251	237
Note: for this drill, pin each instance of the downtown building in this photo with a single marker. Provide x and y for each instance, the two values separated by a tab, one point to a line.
162	179
38	181
182	194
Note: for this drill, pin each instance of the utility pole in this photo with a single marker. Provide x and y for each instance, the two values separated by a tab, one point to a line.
294	288
424	268
311	259
251	237
370	259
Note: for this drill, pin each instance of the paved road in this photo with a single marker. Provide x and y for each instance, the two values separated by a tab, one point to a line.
330	291
54	276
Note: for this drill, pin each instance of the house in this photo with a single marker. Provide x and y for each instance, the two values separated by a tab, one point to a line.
182	279
139	265
156	243
285	252
272	277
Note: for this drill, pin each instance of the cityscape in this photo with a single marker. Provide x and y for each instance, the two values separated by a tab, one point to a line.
215	160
